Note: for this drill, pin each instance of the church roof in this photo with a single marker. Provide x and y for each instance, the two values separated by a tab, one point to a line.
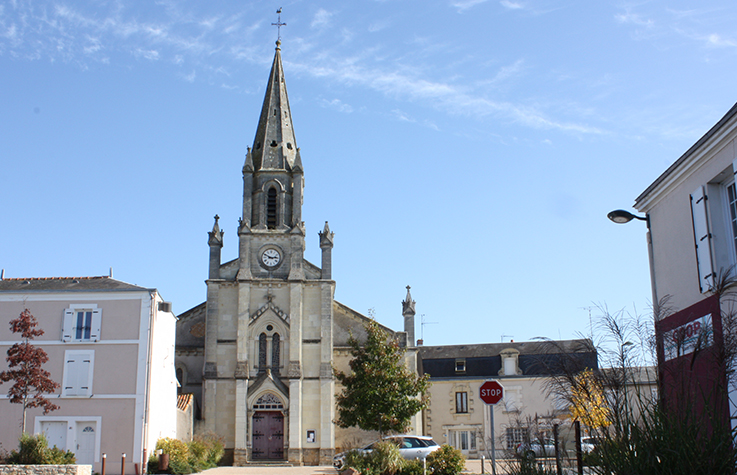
74	284
274	147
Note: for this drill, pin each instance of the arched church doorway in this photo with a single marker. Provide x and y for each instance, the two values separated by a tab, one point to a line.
267	428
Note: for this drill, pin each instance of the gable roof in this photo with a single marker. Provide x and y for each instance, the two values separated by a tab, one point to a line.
688	155
66	284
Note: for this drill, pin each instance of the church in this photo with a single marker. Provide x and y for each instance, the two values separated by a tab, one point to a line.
259	353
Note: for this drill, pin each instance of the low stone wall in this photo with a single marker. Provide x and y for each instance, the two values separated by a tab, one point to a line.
45	469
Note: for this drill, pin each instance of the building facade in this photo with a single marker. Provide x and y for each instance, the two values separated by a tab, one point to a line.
111	347
457	416
691	213
259	353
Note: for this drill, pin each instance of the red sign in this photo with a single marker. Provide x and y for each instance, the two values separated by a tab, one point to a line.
690	362
491	392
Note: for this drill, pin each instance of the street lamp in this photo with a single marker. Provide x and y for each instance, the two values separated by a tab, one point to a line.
621	216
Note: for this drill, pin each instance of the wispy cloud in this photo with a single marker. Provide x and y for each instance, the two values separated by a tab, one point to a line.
447	97
634	19
511	5
463	5
321	19
717	40
336	104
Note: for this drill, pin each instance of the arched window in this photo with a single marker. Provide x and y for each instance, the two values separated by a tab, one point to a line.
262	352
275	347
271	208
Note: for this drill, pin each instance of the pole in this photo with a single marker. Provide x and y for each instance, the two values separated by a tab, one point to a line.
122	465
104	459
493	448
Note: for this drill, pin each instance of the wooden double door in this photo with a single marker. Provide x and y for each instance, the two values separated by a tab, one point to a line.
267	435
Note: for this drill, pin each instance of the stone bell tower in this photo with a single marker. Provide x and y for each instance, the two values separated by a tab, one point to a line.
268	385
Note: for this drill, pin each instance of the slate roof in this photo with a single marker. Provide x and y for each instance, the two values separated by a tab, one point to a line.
66	284
536	358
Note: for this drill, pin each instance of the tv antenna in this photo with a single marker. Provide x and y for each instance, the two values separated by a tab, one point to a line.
422	326
278	25
505	336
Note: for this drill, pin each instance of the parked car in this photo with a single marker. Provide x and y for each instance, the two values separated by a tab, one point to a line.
537	448
588	444
410	447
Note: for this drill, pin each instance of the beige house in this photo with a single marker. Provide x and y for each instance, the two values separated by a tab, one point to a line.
111	347
457	416
691	212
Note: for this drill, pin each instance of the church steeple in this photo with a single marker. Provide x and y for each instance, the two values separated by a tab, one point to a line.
274	147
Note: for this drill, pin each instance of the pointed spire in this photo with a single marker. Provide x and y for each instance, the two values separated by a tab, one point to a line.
408	305
274	146
216	235
248	165
326	236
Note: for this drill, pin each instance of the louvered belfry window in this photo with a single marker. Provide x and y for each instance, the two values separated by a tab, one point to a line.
271	208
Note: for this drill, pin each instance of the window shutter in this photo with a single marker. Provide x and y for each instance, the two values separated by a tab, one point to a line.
78	381
702	238
72	376
68	325
85	375
96	324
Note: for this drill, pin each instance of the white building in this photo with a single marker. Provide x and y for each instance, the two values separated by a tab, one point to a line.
692	227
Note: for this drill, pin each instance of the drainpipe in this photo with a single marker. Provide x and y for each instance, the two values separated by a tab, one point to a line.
147	390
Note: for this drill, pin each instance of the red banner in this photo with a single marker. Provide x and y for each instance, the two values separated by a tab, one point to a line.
691	363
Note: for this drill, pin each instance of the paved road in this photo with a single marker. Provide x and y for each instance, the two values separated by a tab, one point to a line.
472	467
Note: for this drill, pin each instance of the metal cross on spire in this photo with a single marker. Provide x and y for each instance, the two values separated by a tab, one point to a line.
278	25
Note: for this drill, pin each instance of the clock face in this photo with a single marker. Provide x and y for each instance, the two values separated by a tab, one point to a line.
271	257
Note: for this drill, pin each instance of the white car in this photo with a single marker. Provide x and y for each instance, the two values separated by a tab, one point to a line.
537	449
588	444
410	447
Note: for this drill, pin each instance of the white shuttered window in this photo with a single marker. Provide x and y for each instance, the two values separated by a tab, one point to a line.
78	367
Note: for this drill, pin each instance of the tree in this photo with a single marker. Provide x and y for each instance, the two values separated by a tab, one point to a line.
588	401
379	393
24	363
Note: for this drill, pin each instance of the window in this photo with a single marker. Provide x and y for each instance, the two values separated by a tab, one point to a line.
460	365
78	366
514	436
275	341
461	402
271	208
82	323
463	440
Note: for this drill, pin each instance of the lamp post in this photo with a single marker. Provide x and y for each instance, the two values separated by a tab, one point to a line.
620	216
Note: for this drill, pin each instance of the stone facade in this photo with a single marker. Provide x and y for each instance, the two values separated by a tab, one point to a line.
45	469
259	354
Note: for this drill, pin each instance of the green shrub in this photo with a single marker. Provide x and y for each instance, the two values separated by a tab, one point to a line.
386	458
211	447
176	449
412	467
34	450
57	456
203	452
446	461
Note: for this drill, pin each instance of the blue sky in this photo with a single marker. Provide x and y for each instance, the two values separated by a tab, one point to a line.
470	149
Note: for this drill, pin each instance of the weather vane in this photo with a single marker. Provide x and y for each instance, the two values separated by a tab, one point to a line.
278	25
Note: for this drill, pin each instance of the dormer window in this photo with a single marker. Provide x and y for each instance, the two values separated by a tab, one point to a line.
460	365
271	208
510	362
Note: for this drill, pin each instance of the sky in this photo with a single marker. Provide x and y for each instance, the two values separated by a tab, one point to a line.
468	148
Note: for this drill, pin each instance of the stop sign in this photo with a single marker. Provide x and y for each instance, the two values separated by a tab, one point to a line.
491	392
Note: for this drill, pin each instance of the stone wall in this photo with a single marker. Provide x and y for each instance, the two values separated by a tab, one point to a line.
45	469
